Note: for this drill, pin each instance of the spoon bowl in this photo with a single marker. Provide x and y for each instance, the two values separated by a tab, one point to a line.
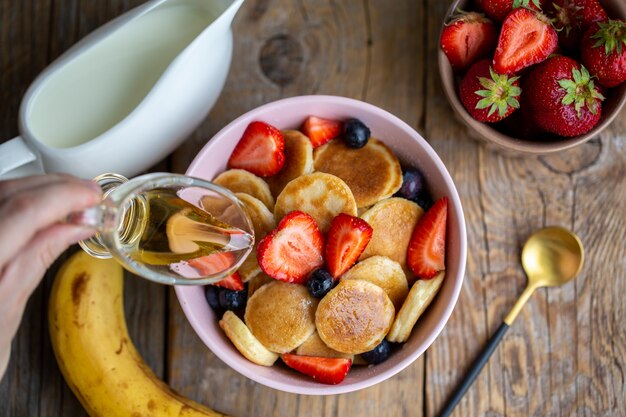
552	256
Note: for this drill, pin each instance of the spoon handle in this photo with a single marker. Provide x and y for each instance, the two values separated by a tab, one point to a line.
471	375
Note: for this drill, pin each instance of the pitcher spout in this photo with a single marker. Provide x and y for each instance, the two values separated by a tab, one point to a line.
231	11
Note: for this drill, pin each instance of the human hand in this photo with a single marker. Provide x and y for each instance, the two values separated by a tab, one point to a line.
32	237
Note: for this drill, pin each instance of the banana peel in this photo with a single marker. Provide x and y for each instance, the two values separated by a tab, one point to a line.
94	351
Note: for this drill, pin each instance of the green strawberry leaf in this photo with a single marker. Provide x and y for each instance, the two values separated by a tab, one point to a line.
611	35
581	92
499	93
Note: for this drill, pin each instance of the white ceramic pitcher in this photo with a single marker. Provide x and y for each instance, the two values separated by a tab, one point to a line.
126	95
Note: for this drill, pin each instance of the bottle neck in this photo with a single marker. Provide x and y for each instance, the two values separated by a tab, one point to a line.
100	217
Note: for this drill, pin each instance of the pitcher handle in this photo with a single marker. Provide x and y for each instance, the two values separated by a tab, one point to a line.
18	160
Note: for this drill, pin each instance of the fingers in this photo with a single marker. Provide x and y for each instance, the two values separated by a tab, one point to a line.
5	353
11	187
22	273
36	208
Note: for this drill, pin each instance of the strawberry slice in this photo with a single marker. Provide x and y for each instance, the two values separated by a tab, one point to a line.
293	250
468	38
261	150
325	370
347	238
527	37
215	263
427	247
321	130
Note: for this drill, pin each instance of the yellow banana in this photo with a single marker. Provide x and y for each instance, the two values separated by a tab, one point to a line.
94	351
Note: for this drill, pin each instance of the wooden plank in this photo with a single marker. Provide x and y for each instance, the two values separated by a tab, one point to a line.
307	47
564	355
23	29
33	384
369	50
450	353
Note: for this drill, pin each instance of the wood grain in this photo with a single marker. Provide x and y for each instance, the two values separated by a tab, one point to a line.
288	49
560	357
566	353
32	34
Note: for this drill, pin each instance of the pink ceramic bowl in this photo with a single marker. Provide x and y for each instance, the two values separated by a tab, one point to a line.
412	150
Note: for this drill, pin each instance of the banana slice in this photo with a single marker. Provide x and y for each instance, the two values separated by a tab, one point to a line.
420	297
245	342
241	181
298	161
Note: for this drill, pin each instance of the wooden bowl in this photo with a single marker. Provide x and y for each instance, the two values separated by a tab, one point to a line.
542	144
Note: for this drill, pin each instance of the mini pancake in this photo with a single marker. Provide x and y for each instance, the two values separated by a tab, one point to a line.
321	195
241	181
244	340
314	346
298	161
393	221
354	317
421	295
249	268
257	282
372	172
262	219
281	315
385	273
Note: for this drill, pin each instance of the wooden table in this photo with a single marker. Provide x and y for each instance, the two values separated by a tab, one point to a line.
565	355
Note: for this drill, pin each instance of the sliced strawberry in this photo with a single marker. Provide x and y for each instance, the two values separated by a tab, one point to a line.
260	150
321	130
293	250
527	37
468	38
347	238
325	370
215	263
427	247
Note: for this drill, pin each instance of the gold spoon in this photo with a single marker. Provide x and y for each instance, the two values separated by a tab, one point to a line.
550	257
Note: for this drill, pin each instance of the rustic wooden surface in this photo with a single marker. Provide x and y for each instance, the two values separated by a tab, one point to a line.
566	353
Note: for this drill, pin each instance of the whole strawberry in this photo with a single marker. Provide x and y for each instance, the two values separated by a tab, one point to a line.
561	97
488	96
572	17
498	9
527	37
603	50
468	38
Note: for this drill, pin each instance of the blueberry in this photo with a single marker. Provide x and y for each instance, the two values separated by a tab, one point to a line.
424	200
414	188
379	354
211	294
233	300
320	283
413	183
355	133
